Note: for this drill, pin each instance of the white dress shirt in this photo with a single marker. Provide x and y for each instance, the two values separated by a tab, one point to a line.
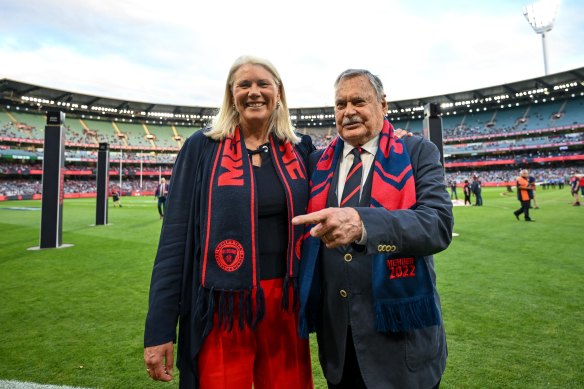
367	157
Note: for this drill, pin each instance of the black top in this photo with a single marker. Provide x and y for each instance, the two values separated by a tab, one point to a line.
272	223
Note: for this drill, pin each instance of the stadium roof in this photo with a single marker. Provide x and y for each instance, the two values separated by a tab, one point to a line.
553	86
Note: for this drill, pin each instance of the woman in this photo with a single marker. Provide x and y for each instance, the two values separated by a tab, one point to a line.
575	189
226	266
467	192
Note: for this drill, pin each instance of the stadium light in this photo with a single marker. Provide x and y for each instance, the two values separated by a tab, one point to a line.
541	17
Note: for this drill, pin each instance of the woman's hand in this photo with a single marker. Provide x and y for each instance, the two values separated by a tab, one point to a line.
159	361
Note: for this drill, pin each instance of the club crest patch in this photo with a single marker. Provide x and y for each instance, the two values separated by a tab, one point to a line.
229	255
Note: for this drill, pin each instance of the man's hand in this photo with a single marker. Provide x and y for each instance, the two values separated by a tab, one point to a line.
159	361
334	226
401	133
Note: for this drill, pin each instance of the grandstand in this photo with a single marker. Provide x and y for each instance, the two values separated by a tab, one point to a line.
491	132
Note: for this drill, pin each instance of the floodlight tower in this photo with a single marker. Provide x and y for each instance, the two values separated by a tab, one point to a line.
541	16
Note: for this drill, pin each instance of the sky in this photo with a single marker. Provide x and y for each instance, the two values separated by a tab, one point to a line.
179	52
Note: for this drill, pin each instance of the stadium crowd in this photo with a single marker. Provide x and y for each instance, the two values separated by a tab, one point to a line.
552	176
523	143
13	186
24	187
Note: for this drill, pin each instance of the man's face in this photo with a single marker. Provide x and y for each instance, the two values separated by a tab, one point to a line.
358	113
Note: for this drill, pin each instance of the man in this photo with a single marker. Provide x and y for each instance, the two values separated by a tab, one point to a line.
476	189
453	194
532	189
367	283
523	188
161	193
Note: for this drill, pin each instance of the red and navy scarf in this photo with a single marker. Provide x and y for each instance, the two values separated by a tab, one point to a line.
403	294
229	272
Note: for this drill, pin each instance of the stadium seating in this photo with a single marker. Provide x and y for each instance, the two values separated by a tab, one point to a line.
547	136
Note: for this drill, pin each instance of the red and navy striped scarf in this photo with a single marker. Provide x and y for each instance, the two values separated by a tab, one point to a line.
229	272
403	293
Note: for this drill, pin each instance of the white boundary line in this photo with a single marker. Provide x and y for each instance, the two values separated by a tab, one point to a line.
32	385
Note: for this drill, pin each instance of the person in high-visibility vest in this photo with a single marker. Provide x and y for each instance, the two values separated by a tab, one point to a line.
523	188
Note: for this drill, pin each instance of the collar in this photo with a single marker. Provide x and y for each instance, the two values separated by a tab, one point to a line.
371	146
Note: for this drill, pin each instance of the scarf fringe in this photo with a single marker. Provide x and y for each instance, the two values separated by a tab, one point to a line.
248	312
260	307
406	315
290	285
222	302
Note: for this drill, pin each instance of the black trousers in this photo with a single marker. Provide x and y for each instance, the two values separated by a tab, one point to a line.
161	205
352	378
524	209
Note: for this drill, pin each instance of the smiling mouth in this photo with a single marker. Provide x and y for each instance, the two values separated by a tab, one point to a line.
351	126
254	105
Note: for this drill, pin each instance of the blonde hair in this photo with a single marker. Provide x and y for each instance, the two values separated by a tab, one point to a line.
228	118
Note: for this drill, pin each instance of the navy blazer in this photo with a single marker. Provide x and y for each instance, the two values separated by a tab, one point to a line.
387	360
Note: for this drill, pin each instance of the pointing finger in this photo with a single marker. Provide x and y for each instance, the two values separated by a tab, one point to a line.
309	218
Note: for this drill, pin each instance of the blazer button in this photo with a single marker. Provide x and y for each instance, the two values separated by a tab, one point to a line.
393	248
380	247
348	257
343	293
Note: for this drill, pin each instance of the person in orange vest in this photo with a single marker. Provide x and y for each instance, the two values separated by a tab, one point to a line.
523	188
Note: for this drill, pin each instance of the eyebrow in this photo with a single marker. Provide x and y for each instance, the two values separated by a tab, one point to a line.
352	99
254	80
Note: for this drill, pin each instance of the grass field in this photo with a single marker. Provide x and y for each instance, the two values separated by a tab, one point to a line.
512	295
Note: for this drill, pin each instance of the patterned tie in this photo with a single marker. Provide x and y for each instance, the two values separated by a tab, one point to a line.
353	181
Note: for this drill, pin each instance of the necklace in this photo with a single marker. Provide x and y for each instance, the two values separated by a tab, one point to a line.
260	149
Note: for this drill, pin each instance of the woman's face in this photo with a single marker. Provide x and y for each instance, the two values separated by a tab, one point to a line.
255	94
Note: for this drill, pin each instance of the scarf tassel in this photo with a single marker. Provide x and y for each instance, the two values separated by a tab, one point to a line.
248	308
260	307
404	316
242	313
211	301
225	309
290	285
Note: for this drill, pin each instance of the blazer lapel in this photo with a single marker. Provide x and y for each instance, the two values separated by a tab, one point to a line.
333	200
